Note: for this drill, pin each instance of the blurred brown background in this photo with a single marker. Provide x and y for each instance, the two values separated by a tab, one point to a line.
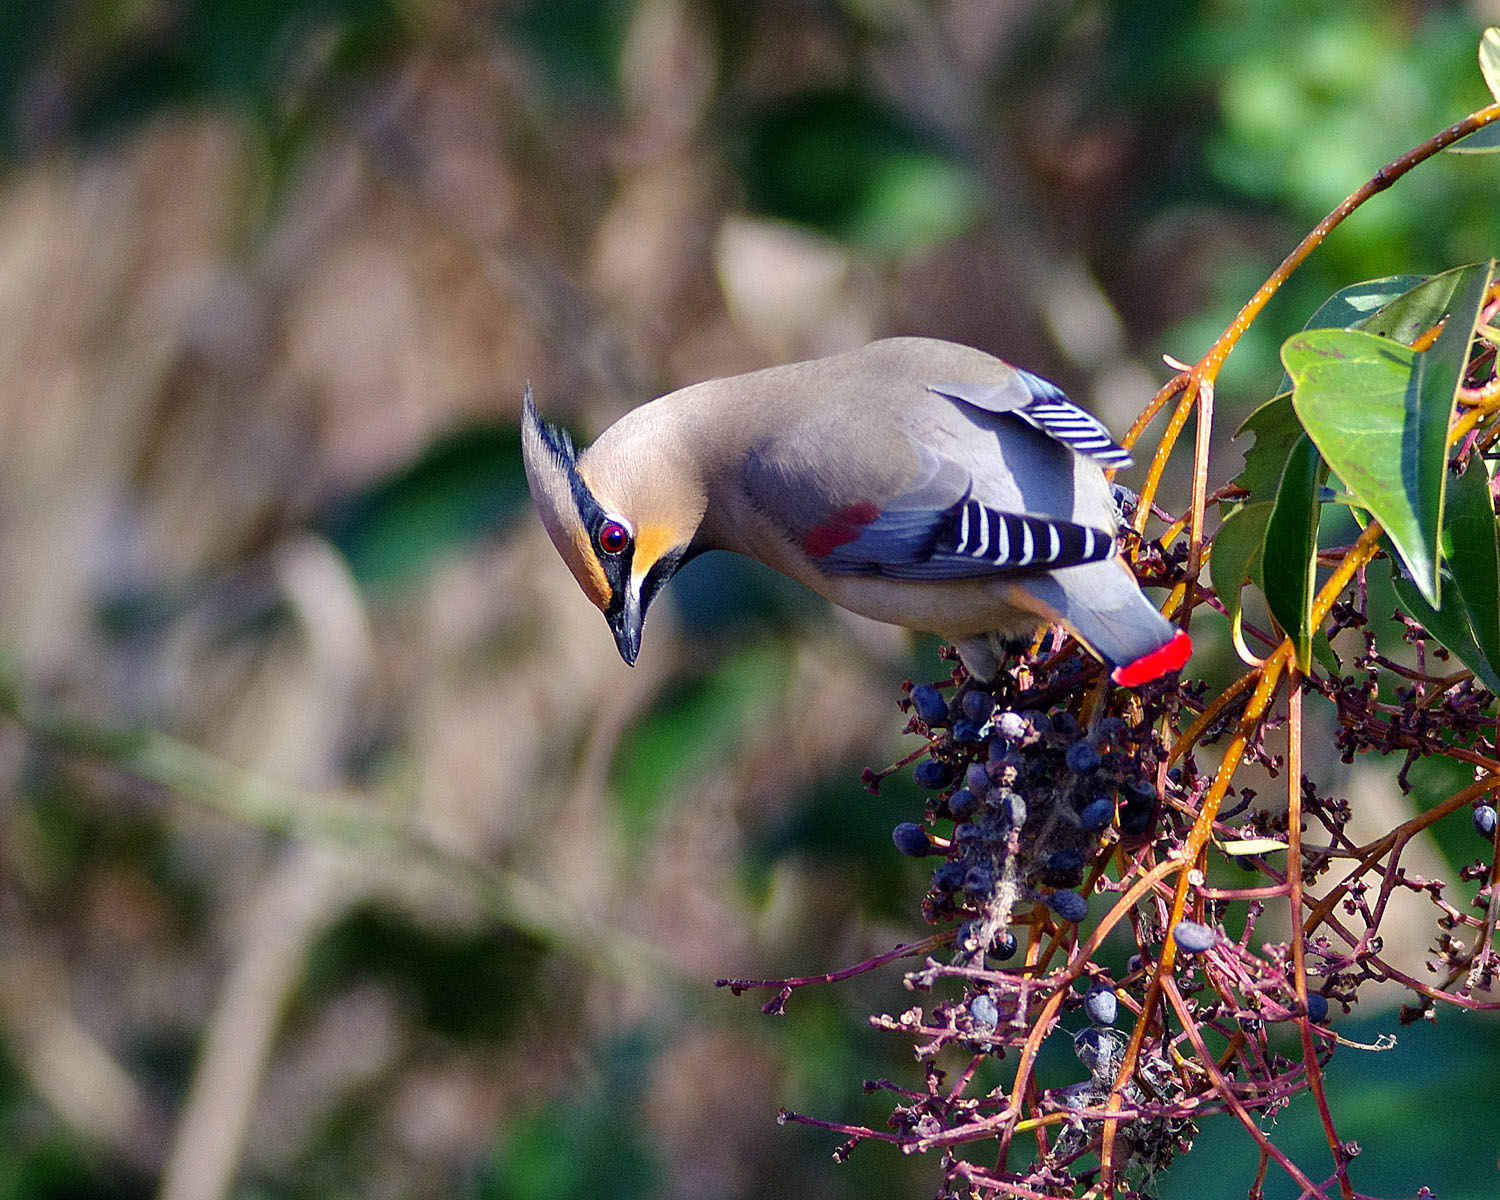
272	279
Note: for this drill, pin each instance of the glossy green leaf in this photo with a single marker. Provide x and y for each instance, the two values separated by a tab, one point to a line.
1469	569
1419	309
1359	398
1289	561
1358	305
1489	59
1473	556
1323	651
1276	429
1237	557
1379	412
1359	302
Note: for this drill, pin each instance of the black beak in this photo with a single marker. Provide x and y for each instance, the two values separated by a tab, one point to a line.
627	615
626	621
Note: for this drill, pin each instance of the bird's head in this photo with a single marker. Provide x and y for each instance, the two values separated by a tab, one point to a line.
622	514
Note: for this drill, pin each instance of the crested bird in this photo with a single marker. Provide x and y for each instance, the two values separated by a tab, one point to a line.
918	482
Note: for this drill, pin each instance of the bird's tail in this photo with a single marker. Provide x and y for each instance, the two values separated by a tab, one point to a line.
1104	607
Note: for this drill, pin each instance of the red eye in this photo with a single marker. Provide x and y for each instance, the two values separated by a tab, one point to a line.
613	537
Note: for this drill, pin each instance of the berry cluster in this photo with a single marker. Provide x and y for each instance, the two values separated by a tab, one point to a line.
1033	797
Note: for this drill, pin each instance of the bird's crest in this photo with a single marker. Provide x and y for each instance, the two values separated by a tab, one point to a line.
561	498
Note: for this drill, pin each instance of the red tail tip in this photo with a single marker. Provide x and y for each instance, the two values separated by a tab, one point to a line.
1171	657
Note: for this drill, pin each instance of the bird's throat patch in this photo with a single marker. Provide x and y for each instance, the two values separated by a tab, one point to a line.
653	542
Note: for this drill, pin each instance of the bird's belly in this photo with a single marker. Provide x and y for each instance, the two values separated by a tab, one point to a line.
957	608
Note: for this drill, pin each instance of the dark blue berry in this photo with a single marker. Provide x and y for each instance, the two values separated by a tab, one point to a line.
911	838
1004	945
976	778
950	876
1193	938
1081	757
932	774
1064	860
984	1012
967	731
1098	813
1101	1004
1485	821
1135	819
979	881
967	832
1111	730
999	749
1065	723
928	703
962	804
1141	791
978	706
1063	869
1317	1005
1070	906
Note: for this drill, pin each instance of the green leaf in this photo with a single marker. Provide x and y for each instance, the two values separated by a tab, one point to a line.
1289	562
1355	306
1379	412
1237	557
1276	431
1323	651
1351	306
1472	553
1489	60
1419	309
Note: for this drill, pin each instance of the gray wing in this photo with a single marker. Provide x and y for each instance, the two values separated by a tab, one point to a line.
1045	407
926	526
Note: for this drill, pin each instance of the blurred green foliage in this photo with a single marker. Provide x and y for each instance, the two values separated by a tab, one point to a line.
1405	1141
91	72
590	1144
42	1160
464	487
850	166
471	987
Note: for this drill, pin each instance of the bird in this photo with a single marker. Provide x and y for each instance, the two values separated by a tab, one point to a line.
915	481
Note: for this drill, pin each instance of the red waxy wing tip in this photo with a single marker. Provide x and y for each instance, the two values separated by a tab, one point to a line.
840	529
1170	657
